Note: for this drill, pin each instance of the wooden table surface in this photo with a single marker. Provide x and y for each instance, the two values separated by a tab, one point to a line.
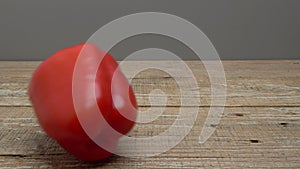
260	126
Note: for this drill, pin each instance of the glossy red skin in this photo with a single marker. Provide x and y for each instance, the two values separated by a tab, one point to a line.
50	92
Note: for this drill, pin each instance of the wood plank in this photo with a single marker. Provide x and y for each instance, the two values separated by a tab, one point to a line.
246	136
55	161
249	83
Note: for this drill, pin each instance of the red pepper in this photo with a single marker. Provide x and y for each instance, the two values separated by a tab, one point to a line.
50	92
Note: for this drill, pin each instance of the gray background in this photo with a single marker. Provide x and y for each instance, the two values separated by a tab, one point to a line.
239	29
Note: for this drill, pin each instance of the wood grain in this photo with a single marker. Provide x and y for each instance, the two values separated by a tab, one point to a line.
260	126
252	83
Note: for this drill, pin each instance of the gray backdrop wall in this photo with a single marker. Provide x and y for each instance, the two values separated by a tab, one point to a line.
239	29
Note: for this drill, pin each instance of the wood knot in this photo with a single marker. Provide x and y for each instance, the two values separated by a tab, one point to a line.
283	124
239	114
255	141
213	125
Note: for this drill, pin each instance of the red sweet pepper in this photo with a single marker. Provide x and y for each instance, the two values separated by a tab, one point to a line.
50	92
